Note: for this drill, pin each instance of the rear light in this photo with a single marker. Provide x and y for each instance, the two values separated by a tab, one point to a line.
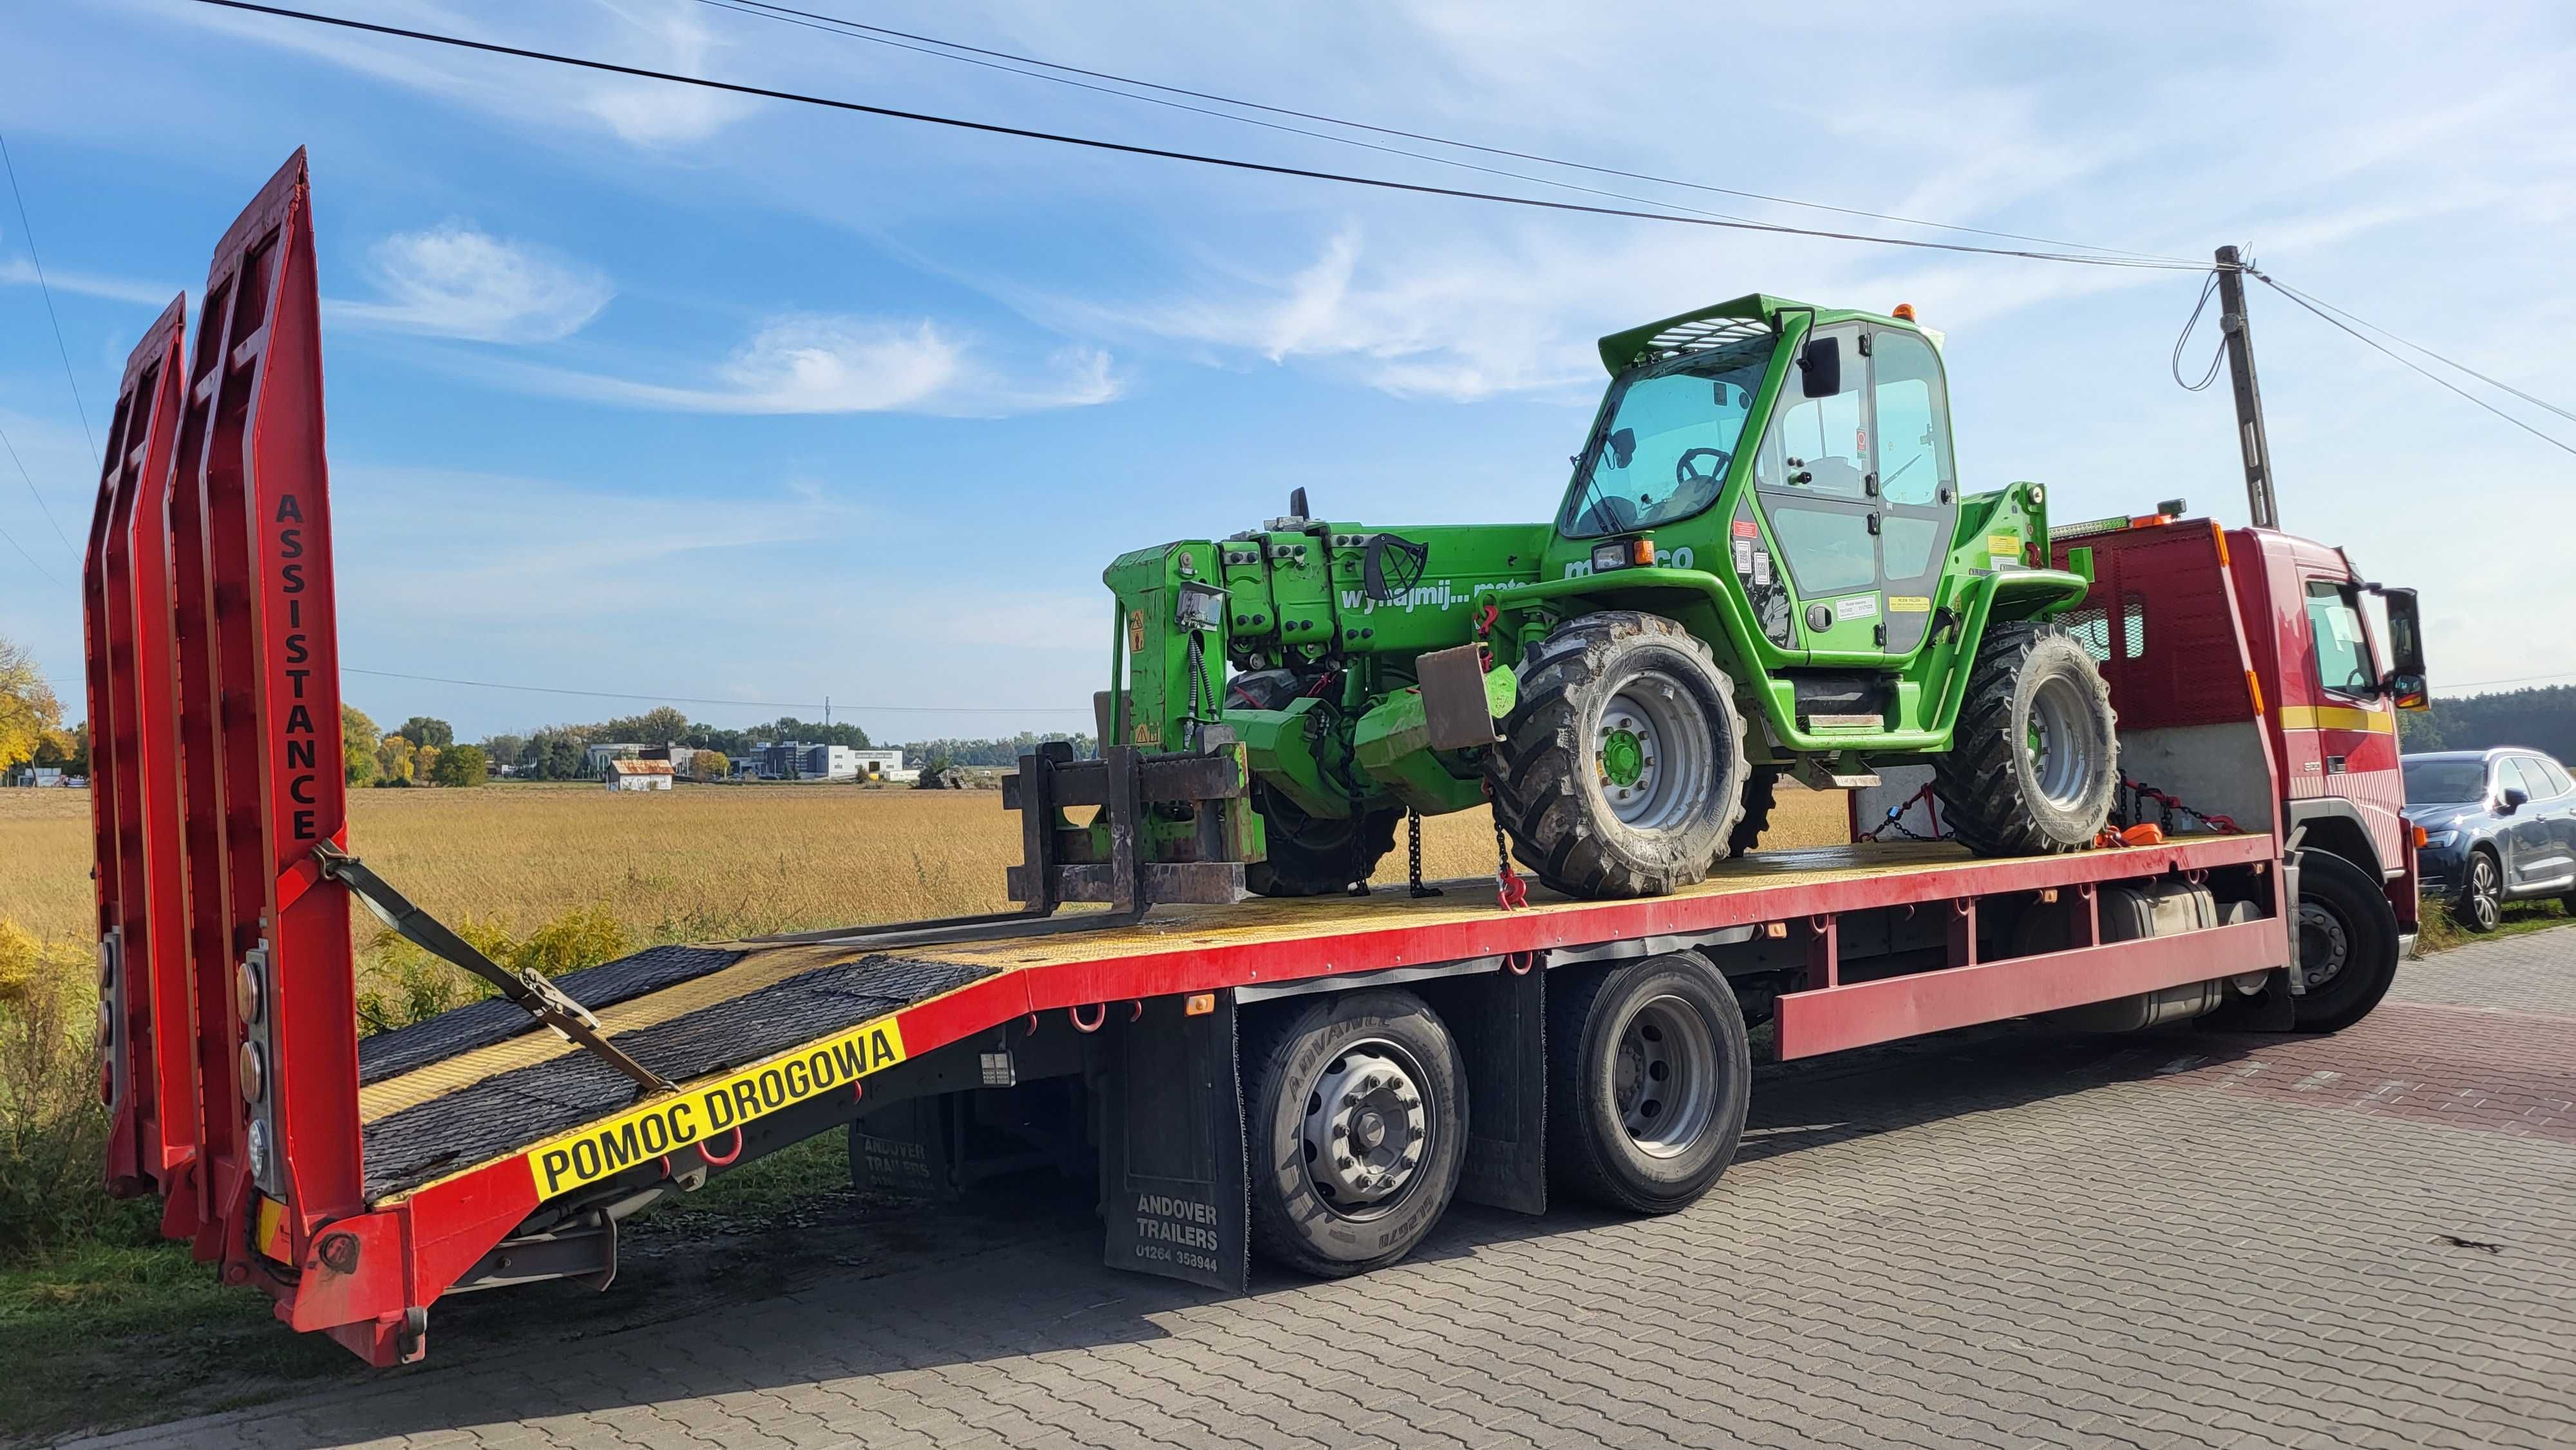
254	1072
1198	1004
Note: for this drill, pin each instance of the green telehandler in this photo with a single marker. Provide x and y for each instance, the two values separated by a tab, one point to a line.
1763	566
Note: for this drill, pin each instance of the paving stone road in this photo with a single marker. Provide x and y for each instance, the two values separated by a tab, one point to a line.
2002	1238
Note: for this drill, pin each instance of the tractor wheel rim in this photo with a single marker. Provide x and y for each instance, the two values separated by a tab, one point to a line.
1367	1129
2323	945
2062	750
1652	733
1663	1081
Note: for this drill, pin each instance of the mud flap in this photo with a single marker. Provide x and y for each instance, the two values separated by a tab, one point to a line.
1500	1021
903	1149
1173	1175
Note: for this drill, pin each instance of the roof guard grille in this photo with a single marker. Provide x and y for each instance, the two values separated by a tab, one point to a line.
1704	335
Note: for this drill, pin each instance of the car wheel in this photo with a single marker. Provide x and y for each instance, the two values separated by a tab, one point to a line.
2481	902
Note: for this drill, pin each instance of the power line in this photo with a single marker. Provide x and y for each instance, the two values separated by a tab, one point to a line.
752	704
38	497
2428	352
1201	158
833	27
2516	680
2318	309
41	286
848	26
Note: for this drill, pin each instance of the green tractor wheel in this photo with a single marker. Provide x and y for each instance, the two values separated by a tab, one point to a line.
2033	764
1315	855
1622	770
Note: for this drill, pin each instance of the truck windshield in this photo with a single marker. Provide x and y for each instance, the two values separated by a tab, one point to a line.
2445	782
1665	440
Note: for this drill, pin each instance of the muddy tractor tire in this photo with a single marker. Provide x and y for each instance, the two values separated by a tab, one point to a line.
1622	769
1761	794
1315	855
2033	763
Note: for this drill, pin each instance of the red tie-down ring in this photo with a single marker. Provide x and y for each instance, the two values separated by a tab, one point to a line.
1099	1017
710	1154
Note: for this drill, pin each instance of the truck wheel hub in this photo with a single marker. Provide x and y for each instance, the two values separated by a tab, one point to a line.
2322	945
1366	1128
1663	1080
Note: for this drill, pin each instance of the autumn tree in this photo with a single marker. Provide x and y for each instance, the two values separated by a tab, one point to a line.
709	765
424	763
394	760
461	765
30	716
358	741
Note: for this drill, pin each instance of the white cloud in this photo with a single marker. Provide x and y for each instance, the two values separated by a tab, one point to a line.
21	272
456	281
835	363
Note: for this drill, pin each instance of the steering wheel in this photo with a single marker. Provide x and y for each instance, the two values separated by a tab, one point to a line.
1684	475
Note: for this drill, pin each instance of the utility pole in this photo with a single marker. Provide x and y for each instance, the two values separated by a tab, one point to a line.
2249	396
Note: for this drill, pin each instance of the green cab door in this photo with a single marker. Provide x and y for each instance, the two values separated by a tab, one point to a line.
1860	495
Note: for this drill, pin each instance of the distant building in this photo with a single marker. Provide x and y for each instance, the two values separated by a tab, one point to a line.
798	760
639	775
595	760
681	757
43	775
884	765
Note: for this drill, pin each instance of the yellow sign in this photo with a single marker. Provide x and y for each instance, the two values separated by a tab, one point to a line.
1908	604
2004	544
713	1109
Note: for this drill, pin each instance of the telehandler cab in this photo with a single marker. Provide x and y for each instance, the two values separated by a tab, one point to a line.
1763	566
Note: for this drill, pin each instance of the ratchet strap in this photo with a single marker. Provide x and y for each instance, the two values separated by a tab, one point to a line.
527	990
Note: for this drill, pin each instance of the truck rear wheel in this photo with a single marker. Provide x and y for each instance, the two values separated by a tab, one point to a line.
2347	943
2033	762
1315	855
1621	771
1359	1124
1648	1077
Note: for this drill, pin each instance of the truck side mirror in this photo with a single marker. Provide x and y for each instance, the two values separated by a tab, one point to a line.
1820	367
2405	635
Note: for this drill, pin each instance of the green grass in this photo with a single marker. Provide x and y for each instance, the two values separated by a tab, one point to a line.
2438	932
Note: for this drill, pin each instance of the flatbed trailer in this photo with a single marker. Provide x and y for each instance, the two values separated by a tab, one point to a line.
1309	1079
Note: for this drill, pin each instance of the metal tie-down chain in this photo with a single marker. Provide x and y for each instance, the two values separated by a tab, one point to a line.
1413	855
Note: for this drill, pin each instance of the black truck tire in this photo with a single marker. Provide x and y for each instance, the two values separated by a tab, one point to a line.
1761	794
2347	943
1648	1078
1621	771
2033	763
1374	1068
1315	855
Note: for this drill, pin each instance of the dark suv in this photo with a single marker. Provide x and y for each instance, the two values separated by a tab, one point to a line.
2499	825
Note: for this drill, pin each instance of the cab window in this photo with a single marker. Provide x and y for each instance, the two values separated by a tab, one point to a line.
1914	464
2334	629
1820	446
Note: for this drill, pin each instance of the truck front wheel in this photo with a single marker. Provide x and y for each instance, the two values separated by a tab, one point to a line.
1648	1078
2347	943
1622	769
2033	762
1359	1128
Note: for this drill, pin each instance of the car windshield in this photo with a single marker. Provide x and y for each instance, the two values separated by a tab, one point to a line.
1662	451
2445	782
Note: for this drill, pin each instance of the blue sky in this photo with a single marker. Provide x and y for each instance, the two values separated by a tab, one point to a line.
641	388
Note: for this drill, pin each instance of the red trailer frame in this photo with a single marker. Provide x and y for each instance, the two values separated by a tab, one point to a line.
214	692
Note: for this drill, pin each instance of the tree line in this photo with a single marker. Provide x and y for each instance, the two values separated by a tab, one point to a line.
2541	718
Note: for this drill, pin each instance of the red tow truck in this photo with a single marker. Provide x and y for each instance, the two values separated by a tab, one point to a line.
1314	1080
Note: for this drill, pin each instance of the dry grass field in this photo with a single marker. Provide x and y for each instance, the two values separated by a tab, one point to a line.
693	864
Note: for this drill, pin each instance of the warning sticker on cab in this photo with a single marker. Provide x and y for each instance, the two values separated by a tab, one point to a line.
712	1109
1908	604
2004	544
